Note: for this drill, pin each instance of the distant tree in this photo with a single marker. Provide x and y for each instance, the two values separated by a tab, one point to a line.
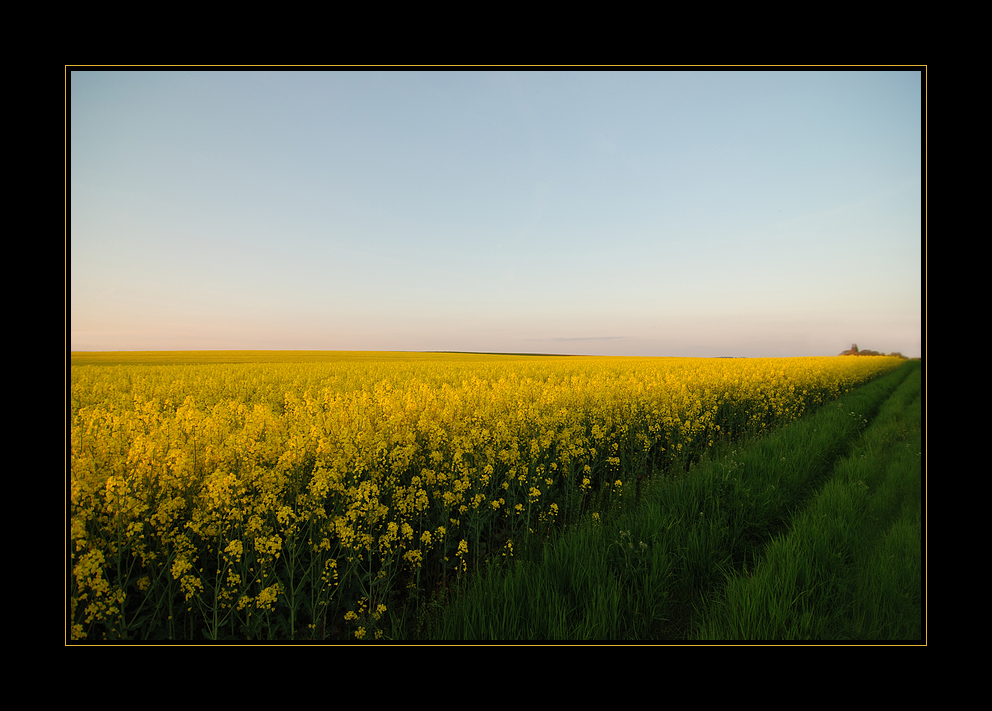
854	350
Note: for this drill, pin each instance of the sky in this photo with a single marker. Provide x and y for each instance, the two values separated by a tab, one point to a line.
629	213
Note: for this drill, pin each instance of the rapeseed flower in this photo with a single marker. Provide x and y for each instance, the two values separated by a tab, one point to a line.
231	468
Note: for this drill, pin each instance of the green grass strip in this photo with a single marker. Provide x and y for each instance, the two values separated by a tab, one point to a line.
850	568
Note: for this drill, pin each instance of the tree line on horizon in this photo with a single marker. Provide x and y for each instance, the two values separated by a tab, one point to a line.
854	350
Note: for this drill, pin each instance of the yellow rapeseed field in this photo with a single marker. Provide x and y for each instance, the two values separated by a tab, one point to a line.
224	495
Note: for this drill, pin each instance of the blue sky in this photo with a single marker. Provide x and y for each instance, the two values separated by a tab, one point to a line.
695	213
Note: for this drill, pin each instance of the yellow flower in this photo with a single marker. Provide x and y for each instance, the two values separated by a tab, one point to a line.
186	458
268	597
235	549
179	567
